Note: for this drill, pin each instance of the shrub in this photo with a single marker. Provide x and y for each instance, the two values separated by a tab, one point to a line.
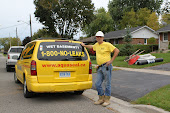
147	48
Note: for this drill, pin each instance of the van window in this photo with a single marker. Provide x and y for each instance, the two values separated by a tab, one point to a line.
61	51
16	50
28	51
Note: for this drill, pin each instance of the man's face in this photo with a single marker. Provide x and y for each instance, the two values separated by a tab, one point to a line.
99	39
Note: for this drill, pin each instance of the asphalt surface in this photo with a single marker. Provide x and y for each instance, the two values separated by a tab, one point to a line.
165	67
130	85
13	101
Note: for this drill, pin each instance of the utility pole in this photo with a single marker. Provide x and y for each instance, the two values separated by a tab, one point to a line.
10	39
17	36
30	27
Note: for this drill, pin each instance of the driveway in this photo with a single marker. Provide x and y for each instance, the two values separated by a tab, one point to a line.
165	67
130	85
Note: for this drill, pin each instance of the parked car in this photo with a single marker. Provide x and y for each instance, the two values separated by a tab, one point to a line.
50	66
12	56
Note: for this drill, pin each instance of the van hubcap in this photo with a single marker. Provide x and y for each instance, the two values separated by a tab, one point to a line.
25	87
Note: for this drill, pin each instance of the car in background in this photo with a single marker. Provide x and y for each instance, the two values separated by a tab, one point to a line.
53	65
12	56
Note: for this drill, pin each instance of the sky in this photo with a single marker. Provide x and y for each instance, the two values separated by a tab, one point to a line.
15	17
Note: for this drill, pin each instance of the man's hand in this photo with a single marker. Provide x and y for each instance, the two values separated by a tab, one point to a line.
108	63
83	44
88	46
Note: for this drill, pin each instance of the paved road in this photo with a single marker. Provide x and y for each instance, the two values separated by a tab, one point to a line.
13	101
165	67
130	85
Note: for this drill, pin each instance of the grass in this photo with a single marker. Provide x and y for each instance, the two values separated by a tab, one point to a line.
119	61
159	98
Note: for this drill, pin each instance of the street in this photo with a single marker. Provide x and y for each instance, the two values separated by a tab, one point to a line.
126	85
13	101
131	85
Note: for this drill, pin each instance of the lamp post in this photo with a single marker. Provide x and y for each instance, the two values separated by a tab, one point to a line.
30	24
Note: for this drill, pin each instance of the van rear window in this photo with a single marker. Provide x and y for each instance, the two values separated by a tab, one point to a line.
61	51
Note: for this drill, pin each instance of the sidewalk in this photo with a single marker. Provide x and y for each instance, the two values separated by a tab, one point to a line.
120	106
145	70
161	72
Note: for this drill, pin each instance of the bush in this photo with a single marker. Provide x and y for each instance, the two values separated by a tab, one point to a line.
147	48
93	57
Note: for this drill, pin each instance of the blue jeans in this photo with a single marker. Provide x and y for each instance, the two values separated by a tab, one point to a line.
104	74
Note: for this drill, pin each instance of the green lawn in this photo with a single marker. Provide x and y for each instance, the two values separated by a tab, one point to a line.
119	61
159	98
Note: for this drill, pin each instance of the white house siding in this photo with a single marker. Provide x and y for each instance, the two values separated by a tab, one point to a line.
144	33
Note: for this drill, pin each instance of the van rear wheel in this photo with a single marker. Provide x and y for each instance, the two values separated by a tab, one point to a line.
27	94
78	92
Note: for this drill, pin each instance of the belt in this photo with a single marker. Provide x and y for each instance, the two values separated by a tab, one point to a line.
102	65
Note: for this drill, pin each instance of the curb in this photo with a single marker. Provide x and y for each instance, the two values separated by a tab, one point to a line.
120	106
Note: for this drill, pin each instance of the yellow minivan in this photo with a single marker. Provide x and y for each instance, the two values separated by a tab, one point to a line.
51	65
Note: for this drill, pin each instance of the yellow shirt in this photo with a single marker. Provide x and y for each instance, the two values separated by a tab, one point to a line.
103	52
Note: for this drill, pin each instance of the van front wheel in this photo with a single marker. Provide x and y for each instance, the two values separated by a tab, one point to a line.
15	78
27	94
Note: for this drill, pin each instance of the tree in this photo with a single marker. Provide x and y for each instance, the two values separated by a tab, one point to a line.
127	48
142	16
166	18
102	21
26	40
117	8
131	17
41	33
7	42
152	41
153	21
64	16
166	8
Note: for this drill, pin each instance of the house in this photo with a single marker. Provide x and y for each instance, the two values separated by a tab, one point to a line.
164	37
89	40
139	34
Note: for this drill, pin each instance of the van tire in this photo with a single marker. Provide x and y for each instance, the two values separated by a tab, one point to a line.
15	78
8	68
78	92
27	94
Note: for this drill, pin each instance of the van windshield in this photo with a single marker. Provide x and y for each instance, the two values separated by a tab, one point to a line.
61	51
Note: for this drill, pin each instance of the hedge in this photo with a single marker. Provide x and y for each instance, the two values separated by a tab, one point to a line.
147	48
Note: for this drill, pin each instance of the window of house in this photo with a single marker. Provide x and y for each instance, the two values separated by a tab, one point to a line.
117	41
165	37
145	41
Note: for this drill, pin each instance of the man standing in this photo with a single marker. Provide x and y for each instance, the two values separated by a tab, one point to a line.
104	68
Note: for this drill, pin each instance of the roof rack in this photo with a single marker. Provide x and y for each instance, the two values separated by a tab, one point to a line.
52	38
55	38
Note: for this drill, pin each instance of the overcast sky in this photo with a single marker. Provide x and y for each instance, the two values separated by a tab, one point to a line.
12	11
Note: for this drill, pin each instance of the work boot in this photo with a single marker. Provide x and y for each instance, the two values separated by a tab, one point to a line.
100	100
106	101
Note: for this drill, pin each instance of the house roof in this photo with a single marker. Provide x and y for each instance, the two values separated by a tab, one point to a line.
90	39
164	29
122	33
